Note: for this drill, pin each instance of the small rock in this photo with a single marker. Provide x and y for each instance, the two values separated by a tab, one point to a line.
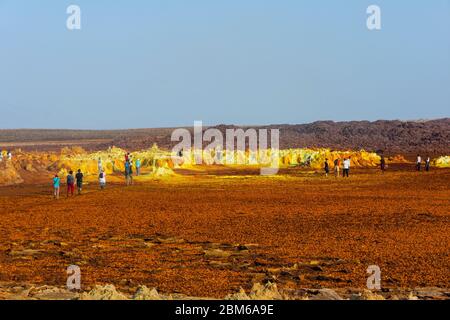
107	292
216	253
241	295
326	294
258	292
367	295
412	297
429	292
144	293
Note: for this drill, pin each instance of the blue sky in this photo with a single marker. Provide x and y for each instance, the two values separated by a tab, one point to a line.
167	63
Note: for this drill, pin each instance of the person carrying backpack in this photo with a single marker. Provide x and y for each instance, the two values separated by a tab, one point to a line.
79	179
70	184
128	173
102	179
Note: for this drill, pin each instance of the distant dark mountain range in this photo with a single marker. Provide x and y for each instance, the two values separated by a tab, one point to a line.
392	137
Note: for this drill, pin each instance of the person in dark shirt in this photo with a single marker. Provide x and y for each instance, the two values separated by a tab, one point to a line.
79	178
70	183
128	173
383	164
326	168
427	164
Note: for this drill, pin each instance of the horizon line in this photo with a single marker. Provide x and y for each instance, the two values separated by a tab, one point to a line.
230	125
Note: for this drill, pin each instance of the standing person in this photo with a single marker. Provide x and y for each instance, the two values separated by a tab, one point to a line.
336	167
9	155
383	164
1	155
138	167
346	167
127	172
56	183
326	168
130	171
427	164
102	179
100	165
70	183
419	162
127	156
79	179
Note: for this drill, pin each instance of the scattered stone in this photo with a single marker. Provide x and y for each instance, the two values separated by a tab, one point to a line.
107	292
258	292
25	252
217	253
429	292
51	293
169	240
412	297
326	294
241	295
144	293
268	291
367	295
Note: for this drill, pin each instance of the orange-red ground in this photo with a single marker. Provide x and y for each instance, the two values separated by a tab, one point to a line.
208	235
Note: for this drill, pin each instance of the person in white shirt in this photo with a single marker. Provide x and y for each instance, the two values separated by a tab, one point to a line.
346	165
9	155
419	162
102	179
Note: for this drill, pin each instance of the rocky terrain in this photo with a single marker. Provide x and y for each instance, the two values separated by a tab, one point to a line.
394	137
268	291
225	232
210	231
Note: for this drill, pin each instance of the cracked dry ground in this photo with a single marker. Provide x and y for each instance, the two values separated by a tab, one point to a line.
210	235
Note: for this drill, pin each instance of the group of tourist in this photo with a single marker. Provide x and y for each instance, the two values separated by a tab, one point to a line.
337	164
346	165
77	180
73	181
419	163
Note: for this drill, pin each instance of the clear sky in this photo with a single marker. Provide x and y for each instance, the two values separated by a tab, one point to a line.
167	63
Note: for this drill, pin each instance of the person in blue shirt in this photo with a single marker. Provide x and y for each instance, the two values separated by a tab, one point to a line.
56	183
138	167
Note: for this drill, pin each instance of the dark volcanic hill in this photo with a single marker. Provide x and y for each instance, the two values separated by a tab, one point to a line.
393	137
